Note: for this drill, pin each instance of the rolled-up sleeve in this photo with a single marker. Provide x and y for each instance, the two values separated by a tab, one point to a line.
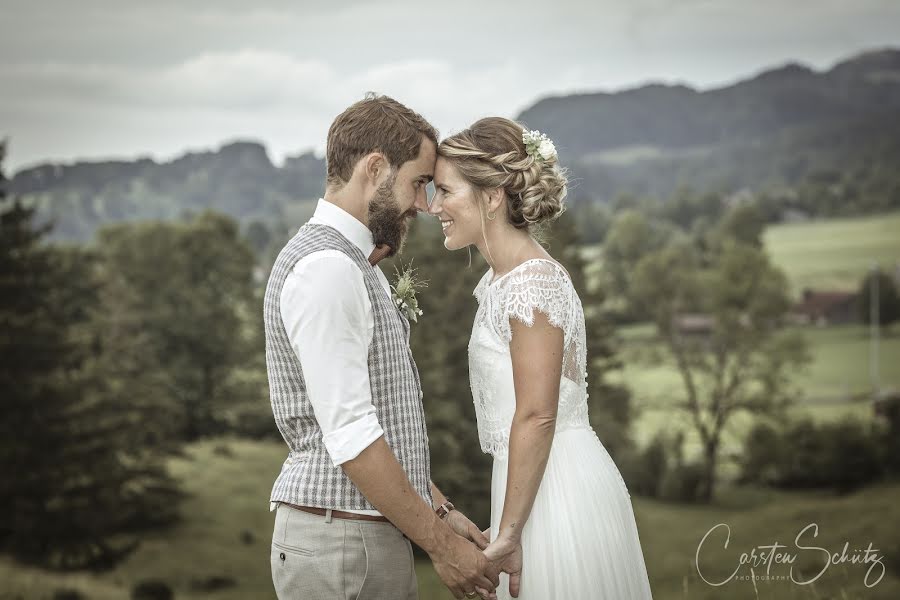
327	314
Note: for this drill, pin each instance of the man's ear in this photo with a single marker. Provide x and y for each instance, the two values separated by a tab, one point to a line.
375	166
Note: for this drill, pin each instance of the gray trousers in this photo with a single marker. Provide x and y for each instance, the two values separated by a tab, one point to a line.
321	558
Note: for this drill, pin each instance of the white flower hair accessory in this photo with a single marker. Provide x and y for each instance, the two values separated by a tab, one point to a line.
538	145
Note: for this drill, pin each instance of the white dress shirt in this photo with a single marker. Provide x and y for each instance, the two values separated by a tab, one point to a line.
328	318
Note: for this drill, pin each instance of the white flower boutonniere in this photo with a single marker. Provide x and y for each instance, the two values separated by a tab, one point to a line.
403	292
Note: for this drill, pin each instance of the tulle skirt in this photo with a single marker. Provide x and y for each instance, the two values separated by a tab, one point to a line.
581	540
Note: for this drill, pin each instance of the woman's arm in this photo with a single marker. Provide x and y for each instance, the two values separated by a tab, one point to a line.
537	354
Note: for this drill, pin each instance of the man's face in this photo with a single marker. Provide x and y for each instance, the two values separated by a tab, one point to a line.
399	199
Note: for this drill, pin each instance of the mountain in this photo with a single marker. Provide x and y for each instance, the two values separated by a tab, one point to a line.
777	127
782	127
238	179
678	116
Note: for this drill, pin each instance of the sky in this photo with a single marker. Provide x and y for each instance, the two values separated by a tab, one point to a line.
97	79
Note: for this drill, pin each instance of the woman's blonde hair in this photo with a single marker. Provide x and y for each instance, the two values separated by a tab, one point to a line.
491	154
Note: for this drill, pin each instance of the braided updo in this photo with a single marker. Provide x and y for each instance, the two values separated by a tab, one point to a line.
491	154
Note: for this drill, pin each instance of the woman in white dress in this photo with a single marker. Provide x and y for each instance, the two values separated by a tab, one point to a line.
562	525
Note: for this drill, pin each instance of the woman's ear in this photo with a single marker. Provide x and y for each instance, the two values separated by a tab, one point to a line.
495	199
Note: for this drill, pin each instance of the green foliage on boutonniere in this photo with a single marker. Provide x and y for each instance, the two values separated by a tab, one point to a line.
404	290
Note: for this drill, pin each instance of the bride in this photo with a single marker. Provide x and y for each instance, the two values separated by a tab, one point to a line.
562	525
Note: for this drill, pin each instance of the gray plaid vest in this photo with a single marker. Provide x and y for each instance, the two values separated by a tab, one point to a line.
308	476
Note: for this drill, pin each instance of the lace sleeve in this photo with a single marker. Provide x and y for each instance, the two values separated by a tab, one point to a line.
480	289
536	285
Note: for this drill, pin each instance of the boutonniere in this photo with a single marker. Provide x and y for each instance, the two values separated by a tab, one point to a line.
403	292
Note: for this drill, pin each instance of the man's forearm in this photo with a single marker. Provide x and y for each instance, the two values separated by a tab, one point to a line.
385	484
437	497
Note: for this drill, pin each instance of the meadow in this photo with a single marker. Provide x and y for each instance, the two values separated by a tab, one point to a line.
226	526
834	254
828	254
228	481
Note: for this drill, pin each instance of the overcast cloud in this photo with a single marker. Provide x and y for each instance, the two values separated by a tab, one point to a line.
97	79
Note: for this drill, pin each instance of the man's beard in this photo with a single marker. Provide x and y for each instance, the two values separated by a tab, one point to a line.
387	224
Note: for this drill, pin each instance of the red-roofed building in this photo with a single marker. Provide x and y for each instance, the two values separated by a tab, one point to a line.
826	308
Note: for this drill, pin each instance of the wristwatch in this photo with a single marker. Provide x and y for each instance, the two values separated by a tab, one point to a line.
444	509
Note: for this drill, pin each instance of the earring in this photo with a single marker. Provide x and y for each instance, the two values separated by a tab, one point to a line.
491	216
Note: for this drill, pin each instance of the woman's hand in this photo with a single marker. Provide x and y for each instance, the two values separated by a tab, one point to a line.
506	553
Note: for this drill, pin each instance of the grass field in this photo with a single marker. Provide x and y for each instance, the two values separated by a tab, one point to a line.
840	368
835	253
228	494
834	386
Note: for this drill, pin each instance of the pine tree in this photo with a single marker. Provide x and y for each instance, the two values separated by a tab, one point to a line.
71	481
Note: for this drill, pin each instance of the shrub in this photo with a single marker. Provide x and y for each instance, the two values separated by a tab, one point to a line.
683	483
659	470
842	456
152	589
643	470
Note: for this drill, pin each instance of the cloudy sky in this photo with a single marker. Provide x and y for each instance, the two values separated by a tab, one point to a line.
97	79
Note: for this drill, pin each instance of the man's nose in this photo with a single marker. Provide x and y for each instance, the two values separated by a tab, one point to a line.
421	202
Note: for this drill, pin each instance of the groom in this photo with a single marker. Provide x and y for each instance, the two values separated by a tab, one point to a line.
345	390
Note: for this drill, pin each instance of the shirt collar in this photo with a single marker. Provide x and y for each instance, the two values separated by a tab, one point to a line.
333	215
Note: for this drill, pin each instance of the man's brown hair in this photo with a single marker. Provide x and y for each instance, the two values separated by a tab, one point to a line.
374	124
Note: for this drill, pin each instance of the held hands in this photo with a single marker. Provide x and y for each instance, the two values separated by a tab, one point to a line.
506	553
464	569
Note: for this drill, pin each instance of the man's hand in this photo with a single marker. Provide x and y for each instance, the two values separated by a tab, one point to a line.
464	569
462	526
506	553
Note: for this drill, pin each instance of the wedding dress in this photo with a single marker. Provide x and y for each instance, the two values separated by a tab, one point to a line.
581	540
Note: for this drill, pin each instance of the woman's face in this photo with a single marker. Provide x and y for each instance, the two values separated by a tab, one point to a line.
455	203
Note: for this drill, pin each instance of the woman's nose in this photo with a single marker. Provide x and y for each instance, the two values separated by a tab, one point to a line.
434	207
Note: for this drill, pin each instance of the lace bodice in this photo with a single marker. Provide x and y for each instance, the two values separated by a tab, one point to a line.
535	285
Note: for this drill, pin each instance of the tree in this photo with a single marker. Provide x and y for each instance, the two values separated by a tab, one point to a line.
685	208
592	221
742	222
72	482
188	288
888	300
742	363
632	236
258	236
